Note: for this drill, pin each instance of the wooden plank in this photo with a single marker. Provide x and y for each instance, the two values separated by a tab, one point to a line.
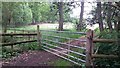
21	30
104	40
103	56
28	36
17	34
12	39
38	36
20	42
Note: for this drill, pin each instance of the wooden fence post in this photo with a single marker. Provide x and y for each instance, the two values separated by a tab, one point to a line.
34	36
38	36
89	49
28	36
12	40
23	33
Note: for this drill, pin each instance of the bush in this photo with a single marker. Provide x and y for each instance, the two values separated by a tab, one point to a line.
108	49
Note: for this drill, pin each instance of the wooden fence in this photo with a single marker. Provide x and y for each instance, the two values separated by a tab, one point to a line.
89	46
23	34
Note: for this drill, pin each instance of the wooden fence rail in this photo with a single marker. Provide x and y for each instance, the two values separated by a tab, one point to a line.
19	34
24	34
104	40
19	42
104	56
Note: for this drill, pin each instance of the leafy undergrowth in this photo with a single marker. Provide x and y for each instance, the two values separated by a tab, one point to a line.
8	52
108	49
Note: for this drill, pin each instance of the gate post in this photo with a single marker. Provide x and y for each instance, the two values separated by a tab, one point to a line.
38	36
89	48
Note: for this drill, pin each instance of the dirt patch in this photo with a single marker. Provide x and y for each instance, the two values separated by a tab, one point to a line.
32	58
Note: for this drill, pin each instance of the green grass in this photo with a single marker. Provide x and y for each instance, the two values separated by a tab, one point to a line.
46	26
61	62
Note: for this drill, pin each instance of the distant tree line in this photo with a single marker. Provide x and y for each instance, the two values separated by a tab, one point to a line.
14	14
24	13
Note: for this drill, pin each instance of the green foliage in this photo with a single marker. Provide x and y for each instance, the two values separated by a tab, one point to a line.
29	46
108	49
7	52
16	13
108	35
27	16
35	7
0	14
23	13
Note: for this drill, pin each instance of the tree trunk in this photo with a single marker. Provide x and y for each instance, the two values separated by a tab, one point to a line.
79	25
109	17
4	29
99	16
60	7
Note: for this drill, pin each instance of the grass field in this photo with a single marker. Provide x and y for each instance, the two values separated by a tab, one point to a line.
47	26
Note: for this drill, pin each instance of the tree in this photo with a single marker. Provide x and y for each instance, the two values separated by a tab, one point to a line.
35	7
22	14
6	15
79	25
109	13
99	16
60	7
63	10
27	15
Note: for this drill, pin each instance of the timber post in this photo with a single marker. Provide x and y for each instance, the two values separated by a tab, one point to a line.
89	49
34	36
12	39
38	36
28	35
23	32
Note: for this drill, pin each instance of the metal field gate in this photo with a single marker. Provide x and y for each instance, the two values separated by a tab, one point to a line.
71	46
